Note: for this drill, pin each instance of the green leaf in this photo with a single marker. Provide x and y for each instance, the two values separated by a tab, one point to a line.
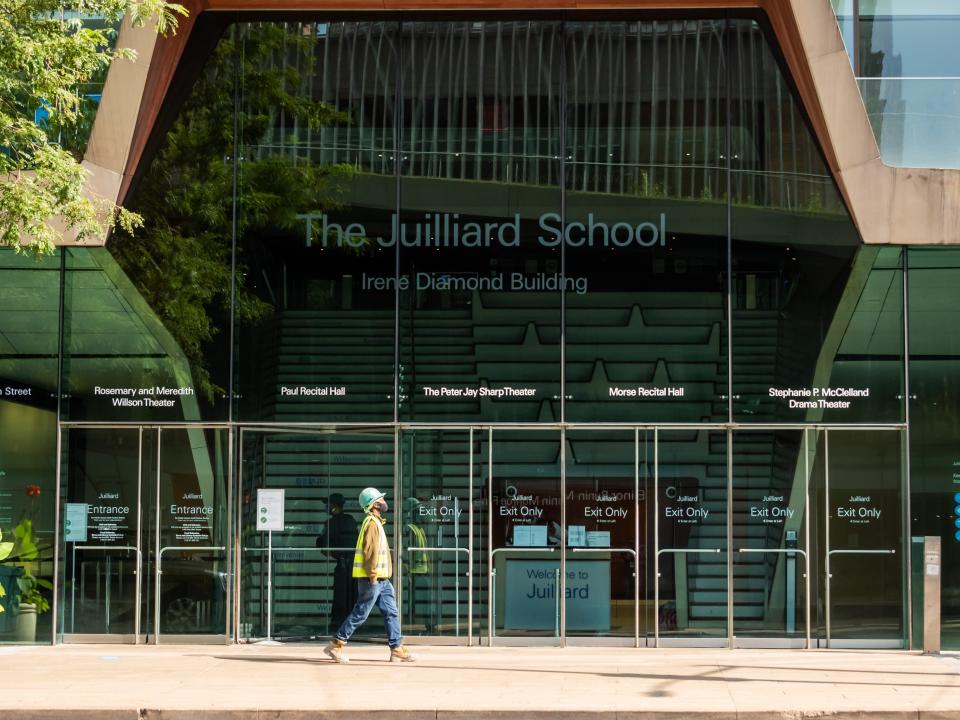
25	540
47	60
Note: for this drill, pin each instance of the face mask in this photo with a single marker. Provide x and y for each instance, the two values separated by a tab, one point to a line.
382	505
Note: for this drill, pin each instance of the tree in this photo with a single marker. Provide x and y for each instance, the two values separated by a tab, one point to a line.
181	261
46	56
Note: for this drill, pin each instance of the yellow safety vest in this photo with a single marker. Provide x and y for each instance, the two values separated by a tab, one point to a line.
383	554
420	564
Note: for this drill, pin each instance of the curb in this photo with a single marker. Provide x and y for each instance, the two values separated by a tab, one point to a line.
386	714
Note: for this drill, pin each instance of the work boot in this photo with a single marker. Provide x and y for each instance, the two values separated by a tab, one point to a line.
335	652
401	654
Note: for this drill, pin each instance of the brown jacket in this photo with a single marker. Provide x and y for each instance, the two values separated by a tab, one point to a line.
371	548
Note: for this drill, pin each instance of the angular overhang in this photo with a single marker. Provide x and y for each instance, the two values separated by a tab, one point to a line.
887	204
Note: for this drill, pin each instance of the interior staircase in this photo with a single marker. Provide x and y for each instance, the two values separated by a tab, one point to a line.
479	340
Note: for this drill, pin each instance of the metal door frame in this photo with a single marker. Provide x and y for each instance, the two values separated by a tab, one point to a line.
773	641
559	637
469	638
829	551
147	562
658	642
636	640
60	620
234	540
785	641
731	430
233	548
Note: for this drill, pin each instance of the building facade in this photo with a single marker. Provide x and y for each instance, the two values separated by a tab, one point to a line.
598	298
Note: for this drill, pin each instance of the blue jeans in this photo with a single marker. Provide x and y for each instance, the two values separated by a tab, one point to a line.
382	595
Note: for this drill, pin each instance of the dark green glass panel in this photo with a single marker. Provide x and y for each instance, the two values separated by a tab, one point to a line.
437	496
29	301
607	591
193	549
692	534
526	534
124	359
316	193
798	279
934	304
862	512
869	344
646	222
102	546
321	472
480	303
770	539
146	318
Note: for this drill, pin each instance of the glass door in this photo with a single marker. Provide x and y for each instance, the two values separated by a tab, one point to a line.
522	477
862	538
102	551
144	552
771	559
691	556
189	533
606	593
436	503
296	584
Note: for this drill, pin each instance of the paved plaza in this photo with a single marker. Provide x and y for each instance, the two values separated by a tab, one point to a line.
295	682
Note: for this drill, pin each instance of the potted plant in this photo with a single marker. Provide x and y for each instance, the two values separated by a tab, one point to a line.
21	558
31	604
5	549
9	589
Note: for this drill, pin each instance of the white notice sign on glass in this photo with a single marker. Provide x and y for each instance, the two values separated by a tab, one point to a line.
270	509
529	535
577	535
75	522
598	538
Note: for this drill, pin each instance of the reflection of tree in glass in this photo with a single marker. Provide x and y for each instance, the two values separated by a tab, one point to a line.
180	262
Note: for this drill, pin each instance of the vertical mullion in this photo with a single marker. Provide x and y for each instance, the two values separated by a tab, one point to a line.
729	289
398	119
562	121
906	529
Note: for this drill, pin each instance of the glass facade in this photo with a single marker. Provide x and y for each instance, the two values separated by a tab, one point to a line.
580	294
29	300
905	57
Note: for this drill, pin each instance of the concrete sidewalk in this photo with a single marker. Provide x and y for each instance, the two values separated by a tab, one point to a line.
112	682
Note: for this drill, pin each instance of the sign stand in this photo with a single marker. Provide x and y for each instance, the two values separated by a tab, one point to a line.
269	587
270	517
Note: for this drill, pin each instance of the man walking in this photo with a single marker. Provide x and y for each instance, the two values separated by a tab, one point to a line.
372	568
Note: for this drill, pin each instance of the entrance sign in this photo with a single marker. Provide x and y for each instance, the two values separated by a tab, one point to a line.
191	520
270	509
109	519
75	522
